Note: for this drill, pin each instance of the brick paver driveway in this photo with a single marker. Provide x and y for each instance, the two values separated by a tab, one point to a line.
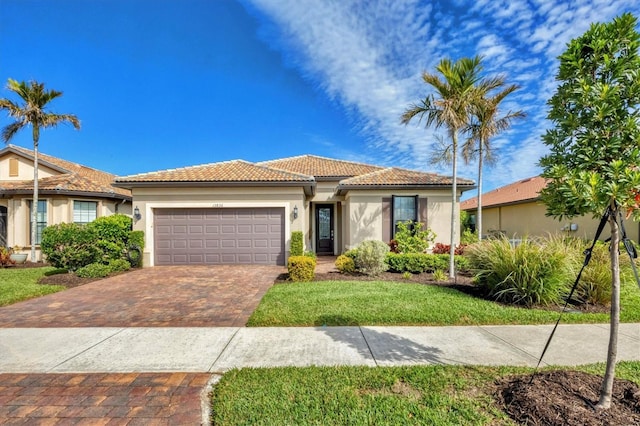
167	296
175	296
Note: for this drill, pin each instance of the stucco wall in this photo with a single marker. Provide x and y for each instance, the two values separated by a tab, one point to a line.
363	214
530	219
25	168
148	199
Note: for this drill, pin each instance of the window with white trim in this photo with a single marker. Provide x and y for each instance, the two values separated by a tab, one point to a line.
84	211
41	220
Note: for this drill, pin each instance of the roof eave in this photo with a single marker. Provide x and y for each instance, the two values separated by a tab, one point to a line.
508	203
343	189
114	195
308	186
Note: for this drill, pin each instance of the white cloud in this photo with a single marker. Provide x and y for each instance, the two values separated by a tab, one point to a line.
369	56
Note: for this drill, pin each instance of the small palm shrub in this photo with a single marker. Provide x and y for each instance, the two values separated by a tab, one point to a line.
301	268
440	276
530	273
370	257
345	264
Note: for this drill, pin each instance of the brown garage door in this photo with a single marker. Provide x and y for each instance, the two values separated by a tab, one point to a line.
219	236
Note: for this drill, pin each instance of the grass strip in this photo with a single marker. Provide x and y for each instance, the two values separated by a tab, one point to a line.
335	303
17	284
434	394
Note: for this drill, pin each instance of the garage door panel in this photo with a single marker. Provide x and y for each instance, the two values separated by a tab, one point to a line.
219	236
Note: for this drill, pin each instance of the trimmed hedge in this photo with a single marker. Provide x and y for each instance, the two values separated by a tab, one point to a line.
301	268
345	264
423	262
296	243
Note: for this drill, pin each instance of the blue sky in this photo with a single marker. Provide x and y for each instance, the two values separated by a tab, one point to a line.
170	83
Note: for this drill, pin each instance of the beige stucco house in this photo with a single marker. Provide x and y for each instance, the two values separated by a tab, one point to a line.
242	212
68	192
515	210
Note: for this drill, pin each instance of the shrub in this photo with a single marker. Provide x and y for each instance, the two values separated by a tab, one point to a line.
440	248
370	257
296	243
301	268
94	270
423	262
136	239
309	253
411	238
119	265
5	257
468	237
345	264
113	236
69	246
351	253
440	276
529	273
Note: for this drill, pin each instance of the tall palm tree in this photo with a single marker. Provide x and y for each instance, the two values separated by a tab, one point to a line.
461	88
487	124
32	112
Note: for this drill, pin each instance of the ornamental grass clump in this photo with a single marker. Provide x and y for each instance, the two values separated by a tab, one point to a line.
529	273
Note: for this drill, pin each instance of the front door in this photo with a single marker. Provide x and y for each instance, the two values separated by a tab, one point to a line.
324	229
3	226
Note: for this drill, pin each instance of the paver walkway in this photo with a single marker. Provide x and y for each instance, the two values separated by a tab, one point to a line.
171	296
102	399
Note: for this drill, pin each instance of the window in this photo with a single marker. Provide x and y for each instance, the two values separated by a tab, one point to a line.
84	211
41	219
404	209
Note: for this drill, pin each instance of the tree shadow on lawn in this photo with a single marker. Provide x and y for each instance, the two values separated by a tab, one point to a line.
383	347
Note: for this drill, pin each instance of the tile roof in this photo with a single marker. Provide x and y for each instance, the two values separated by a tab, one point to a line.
227	171
73	178
394	176
321	167
517	192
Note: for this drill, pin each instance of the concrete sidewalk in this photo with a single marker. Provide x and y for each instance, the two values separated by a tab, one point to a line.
126	350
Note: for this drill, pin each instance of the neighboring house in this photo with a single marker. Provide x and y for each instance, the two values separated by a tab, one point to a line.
515	210
242	212
67	192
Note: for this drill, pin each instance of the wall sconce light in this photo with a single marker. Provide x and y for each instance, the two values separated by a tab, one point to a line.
295	211
136	213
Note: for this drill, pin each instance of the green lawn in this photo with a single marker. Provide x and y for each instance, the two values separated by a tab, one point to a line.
398	303
21	284
437	395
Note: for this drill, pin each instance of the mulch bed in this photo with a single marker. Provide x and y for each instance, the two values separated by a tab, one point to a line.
567	398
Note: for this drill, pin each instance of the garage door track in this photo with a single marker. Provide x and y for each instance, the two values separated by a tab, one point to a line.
167	296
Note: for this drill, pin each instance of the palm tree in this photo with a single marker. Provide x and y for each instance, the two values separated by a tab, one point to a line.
486	125
32	112
460	89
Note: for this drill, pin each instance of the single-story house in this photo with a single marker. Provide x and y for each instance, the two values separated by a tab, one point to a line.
515	210
243	212
67	192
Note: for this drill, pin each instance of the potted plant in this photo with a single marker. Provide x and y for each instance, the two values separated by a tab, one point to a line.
16	256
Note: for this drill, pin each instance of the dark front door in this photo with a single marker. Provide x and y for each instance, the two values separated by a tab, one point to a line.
324	229
3	226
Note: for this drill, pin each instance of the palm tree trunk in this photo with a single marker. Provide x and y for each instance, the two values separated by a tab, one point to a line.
454	197
612	354
34	203
479	212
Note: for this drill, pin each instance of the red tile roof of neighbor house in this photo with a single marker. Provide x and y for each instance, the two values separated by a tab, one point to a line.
72	178
302	169
518	192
